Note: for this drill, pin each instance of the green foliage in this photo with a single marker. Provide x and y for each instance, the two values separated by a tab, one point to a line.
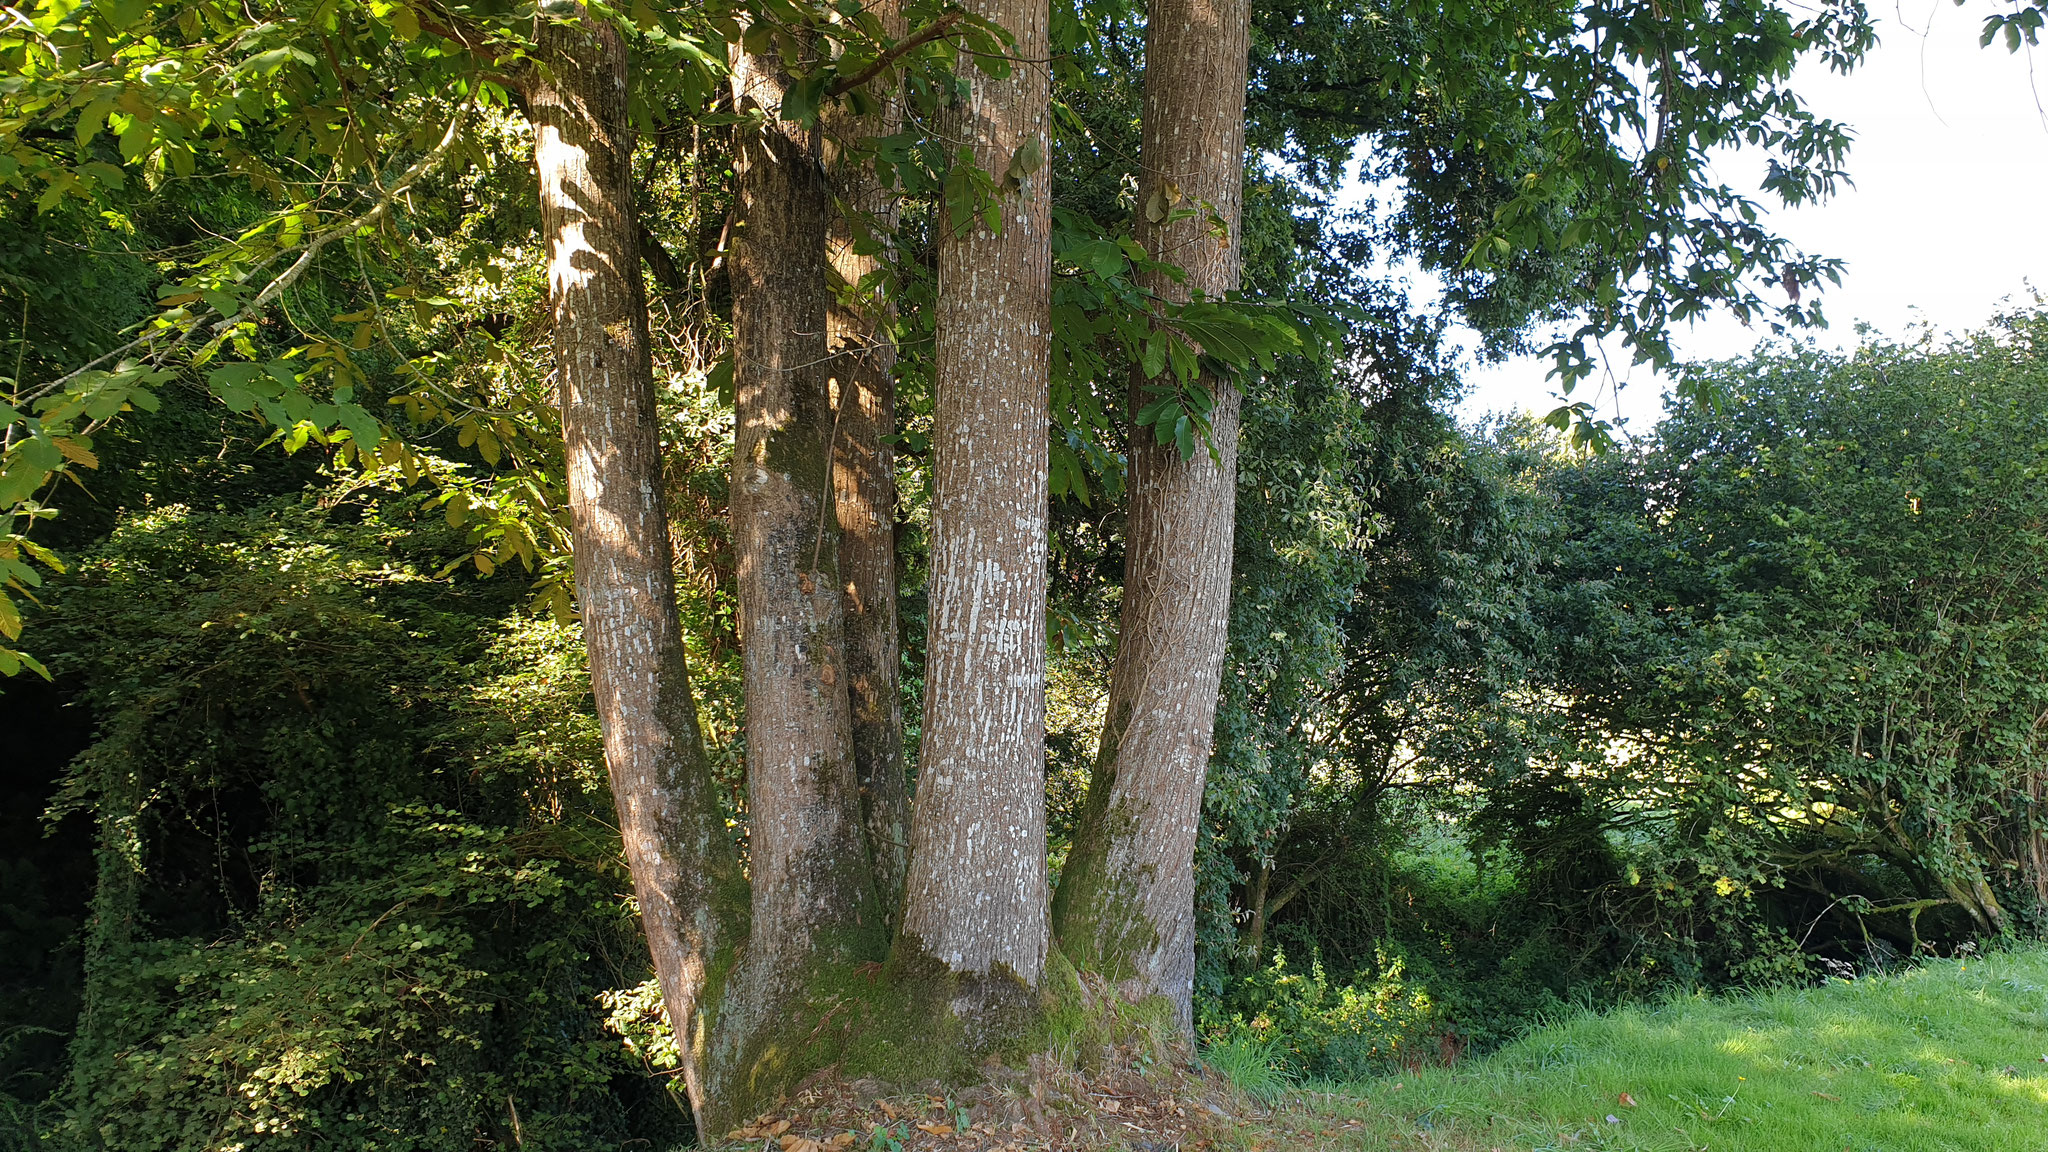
1810	622
1752	702
363	1010
2020	27
1629	109
1313	1027
357	878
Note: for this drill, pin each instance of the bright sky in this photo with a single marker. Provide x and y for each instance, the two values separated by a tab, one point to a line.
1948	219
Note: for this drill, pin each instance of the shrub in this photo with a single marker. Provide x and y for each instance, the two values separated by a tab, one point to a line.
357	885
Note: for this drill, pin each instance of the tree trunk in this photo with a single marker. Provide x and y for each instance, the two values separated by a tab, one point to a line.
2036	841
1125	907
813	893
864	486
684	870
975	900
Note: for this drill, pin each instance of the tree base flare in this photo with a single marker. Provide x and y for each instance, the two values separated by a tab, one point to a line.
1124	1096
912	1027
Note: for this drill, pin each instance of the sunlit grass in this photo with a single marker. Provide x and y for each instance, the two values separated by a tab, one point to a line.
1950	1056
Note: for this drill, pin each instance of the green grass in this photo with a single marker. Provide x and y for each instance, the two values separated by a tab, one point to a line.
1251	1065
1944	1058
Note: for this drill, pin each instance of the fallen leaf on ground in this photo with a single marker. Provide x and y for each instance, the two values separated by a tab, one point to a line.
937	1129
1627	1101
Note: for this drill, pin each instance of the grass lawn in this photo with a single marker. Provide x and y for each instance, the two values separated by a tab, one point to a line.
1950	1056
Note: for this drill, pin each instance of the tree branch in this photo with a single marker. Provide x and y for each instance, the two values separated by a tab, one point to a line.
660	264
904	47
370	216
284	279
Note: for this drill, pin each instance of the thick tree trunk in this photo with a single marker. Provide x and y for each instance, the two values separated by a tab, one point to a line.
1125	907
864	486
814	900
975	901
685	873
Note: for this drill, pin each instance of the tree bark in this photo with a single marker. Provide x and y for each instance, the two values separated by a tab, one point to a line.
864	483
2036	840
975	900
1125	907
814	900
685	873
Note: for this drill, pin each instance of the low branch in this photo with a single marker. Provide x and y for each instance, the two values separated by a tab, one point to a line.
1915	907
904	47
370	216
290	275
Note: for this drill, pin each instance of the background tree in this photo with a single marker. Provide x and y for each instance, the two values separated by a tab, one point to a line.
1829	659
861	319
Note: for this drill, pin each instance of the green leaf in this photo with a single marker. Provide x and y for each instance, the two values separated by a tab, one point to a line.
1154	412
721	381
109	176
800	102
1153	362
48	558
1068	477
231	382
125	13
93	119
1024	161
264	62
362	427
136	139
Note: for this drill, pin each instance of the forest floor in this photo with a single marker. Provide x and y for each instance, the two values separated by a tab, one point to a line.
1948	1057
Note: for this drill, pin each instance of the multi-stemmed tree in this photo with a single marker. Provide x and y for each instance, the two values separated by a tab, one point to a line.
840	869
